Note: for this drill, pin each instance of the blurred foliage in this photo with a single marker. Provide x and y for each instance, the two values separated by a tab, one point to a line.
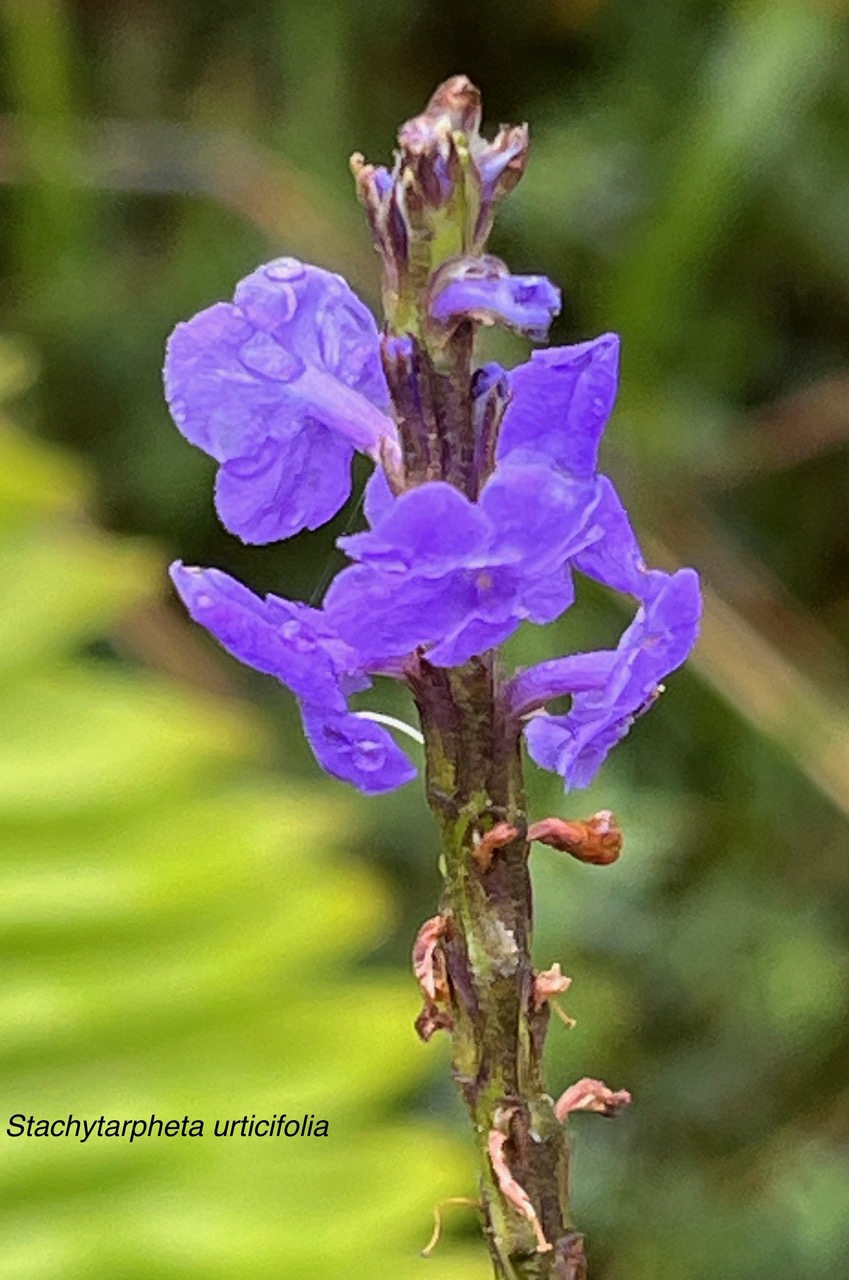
177	941
688	187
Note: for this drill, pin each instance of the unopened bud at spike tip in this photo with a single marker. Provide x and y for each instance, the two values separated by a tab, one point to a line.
439	200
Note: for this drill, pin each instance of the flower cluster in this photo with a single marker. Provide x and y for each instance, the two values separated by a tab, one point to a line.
485	497
438	202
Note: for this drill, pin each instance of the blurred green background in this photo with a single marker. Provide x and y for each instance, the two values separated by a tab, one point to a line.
193	920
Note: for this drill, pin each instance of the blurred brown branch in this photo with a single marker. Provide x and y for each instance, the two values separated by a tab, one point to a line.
809	422
748	671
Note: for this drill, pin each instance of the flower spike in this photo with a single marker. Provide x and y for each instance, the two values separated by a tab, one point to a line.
483	509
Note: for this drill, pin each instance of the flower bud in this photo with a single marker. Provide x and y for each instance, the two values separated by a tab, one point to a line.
439	200
482	289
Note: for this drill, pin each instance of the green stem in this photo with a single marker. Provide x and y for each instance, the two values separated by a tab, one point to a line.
474	782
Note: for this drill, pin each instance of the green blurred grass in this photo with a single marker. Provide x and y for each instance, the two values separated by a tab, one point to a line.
178	939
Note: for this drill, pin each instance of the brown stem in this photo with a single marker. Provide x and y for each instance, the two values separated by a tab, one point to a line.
474	782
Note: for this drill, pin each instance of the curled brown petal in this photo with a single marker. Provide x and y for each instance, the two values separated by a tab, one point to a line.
548	983
511	1189
430	1020
428	964
485	845
591	1095
598	840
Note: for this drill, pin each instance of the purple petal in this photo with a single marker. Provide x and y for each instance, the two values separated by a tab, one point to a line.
541	517
473	637
430	530
657	642
278	637
614	558
527	304
295	355
457	577
214	400
562	399
377	497
386	616
356	750
660	637
286	486
577	673
577	756
491	159
547	598
315	317
489	605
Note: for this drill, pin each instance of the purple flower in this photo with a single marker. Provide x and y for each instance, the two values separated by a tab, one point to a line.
458	577
609	689
284	383
295	644
486	495
482	289
280	387
561	401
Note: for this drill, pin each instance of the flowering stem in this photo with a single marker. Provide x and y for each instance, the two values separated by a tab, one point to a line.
474	783
485	499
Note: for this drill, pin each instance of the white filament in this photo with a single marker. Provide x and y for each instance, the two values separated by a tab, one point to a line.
380	718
